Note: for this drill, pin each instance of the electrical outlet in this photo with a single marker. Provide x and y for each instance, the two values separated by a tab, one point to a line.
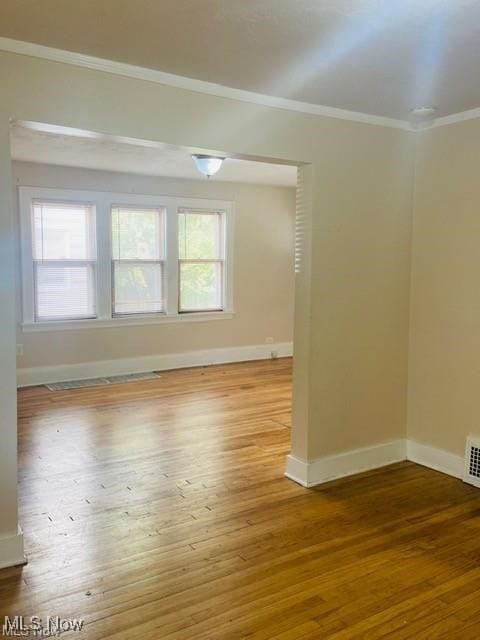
274	355
19	350
269	340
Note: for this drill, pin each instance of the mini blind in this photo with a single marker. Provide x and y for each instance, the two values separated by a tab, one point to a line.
64	260
138	265
201	251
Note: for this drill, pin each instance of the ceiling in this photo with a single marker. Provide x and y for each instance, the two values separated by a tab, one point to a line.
379	57
99	152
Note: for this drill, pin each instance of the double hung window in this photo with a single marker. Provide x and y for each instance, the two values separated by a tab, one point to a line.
92	258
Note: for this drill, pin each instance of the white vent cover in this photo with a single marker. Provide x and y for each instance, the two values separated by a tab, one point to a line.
472	461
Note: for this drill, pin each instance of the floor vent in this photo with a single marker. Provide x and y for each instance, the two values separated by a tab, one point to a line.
472	462
98	382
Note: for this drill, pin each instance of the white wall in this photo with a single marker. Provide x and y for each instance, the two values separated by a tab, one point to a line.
263	273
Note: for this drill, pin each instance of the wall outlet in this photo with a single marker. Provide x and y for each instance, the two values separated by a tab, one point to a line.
274	355
269	340
19	350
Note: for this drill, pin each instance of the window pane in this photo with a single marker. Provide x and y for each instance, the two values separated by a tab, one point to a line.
138	288
137	234
200	286
64	291
199	236
63	231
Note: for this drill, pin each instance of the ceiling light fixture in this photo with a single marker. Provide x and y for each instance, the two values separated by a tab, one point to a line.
208	165
422	116
426	111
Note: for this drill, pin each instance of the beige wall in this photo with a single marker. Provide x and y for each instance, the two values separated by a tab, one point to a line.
263	272
360	295
351	365
8	406
444	362
354	303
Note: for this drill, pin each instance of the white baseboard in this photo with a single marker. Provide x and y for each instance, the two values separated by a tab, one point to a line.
61	373
298	471
438	459
11	551
309	474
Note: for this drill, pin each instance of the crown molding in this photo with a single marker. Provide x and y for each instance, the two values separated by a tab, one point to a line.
190	84
444	121
200	86
471	114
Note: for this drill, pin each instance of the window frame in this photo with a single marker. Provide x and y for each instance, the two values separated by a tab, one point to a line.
92	261
221	259
103	203
162	261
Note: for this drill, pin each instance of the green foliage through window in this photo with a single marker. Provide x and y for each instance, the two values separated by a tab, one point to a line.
200	251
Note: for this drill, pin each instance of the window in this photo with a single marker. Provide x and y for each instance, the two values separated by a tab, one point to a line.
95	259
138	248
201	260
63	260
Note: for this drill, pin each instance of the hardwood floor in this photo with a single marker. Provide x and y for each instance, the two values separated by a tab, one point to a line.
159	510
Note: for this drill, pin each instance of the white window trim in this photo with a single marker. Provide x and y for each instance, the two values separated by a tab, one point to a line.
221	258
161	260
103	202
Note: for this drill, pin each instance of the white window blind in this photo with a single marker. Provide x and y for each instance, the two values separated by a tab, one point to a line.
201	251
64	259
138	267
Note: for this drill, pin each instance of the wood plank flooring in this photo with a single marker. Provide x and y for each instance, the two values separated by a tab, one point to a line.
159	510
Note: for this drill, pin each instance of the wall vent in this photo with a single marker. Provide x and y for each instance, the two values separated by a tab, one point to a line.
472	461
98	382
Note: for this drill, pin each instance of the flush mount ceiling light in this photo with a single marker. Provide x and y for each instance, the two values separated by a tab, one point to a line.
208	165
423	114
426	111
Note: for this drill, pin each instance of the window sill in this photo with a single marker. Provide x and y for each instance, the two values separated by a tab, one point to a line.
127	321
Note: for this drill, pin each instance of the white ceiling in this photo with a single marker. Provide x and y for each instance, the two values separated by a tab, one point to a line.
379	57
99	152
